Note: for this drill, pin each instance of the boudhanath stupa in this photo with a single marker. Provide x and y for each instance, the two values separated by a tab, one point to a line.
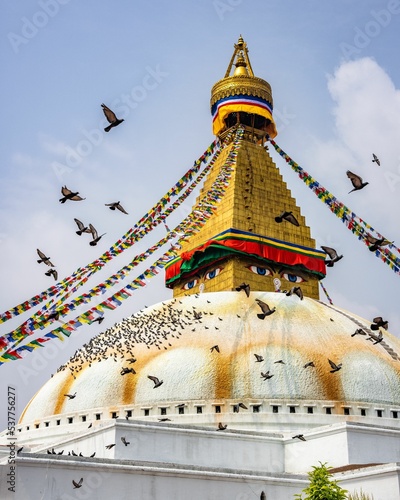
210	387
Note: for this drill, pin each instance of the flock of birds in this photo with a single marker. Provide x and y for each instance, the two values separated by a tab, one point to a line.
69	195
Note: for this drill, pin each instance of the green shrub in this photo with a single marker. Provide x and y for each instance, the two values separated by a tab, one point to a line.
321	487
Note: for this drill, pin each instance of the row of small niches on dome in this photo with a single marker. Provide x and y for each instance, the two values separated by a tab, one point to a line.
236	408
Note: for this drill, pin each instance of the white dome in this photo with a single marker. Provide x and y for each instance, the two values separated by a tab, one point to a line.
168	342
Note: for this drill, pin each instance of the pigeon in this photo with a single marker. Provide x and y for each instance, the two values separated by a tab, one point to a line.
259	358
111	118
266	376
69	195
245	287
310	363
214	348
82	227
295	290
359	331
156	381
116	205
77	484
99	320
52	272
131	360
266	311
263	496
95	236
73	453
376	338
299	436
125	441
221	426
109	446
376	159
333	256
19	450
44	259
164	420
287	216
242	405
54	315
124	371
376	242
60	452
70	396
334	366
92	455
280	361
197	315
90	425
356	181
379	322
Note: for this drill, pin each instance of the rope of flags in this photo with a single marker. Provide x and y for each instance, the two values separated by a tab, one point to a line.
326	293
201	212
354	223
152	218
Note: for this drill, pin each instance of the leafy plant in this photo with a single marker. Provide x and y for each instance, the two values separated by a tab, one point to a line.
321	487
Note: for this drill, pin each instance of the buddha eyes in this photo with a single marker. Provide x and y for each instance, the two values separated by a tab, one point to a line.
293	278
190	284
265	271
262	271
212	274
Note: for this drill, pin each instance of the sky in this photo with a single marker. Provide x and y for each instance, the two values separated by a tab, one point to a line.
335	78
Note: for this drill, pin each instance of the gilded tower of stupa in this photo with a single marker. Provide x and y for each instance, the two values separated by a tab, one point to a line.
243	242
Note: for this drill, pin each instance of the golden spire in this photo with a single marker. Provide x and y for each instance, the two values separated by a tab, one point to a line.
242	97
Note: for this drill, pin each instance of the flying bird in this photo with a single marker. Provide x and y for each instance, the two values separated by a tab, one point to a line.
44	259
242	405
156	381
376	242
82	227
334	366
118	206
266	376
52	272
356	181
333	256
221	426
125	441
99	320
124	371
310	363
95	236
245	287
69	195
266	310
70	396
295	290
287	216
197	315
280	361
376	159
379	322
299	436
54	315
215	348
109	446
111	118
259	358
77	484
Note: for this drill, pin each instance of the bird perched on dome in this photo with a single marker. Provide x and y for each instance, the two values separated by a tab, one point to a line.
116	205
69	195
111	118
334	257
287	216
356	180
